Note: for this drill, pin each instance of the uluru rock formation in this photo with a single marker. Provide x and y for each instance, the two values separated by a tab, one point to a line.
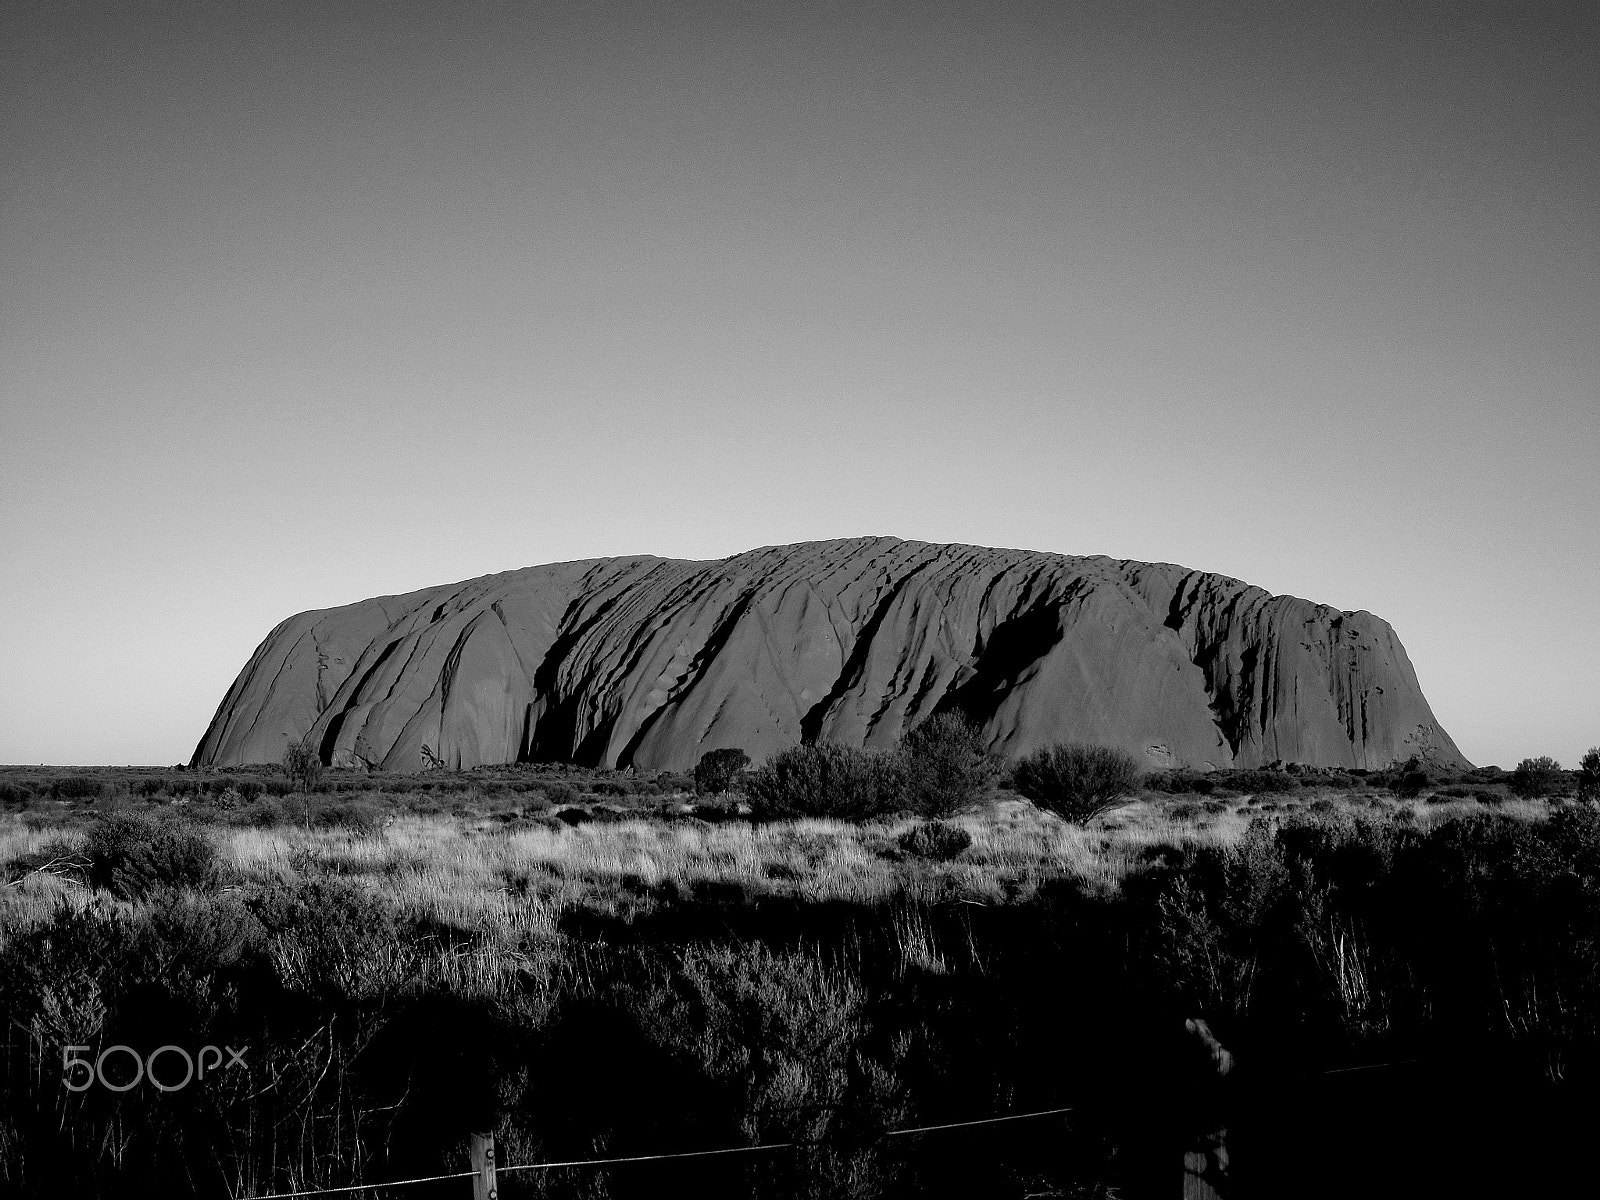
650	662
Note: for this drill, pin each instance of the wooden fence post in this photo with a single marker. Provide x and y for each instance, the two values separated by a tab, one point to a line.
1205	1156
483	1184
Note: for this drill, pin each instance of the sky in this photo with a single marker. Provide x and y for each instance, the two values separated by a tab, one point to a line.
302	303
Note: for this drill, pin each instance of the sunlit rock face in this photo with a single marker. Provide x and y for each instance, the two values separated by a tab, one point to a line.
651	662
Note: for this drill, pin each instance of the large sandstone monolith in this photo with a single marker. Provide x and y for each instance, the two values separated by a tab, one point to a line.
651	662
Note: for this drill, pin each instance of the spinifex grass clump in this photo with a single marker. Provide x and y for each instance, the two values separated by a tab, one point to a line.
938	840
1076	781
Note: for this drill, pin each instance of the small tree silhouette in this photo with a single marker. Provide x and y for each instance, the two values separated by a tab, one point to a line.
1536	777
716	770
944	764
1076	781
1589	775
303	765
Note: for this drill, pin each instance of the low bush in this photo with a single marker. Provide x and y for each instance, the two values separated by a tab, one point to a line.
1178	782
1076	781
715	811
264	813
824	781
671	782
1262	783
132	856
717	769
560	794
75	787
1589	775
1410	785
1536	777
356	814
332	938
303	765
944	765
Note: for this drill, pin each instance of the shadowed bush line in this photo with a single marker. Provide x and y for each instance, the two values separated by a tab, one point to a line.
717	1018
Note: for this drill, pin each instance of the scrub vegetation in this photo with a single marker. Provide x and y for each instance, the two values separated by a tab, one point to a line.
825	948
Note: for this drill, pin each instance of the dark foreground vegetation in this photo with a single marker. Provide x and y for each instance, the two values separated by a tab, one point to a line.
1457	958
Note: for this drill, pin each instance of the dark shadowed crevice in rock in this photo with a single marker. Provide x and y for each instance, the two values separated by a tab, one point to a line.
812	723
1012	648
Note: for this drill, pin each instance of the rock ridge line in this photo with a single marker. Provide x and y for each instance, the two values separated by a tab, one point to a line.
650	662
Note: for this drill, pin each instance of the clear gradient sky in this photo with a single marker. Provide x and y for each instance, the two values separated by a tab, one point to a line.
302	303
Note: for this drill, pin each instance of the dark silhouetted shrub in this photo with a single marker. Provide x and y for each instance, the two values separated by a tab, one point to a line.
1589	775
560	794
76	787
357	814
1076	781
266	812
303	765
717	769
193	937
132	856
1178	782
1262	783
944	765
333	938
1410	784
937	840
1535	777
670	782
824	781
716	811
